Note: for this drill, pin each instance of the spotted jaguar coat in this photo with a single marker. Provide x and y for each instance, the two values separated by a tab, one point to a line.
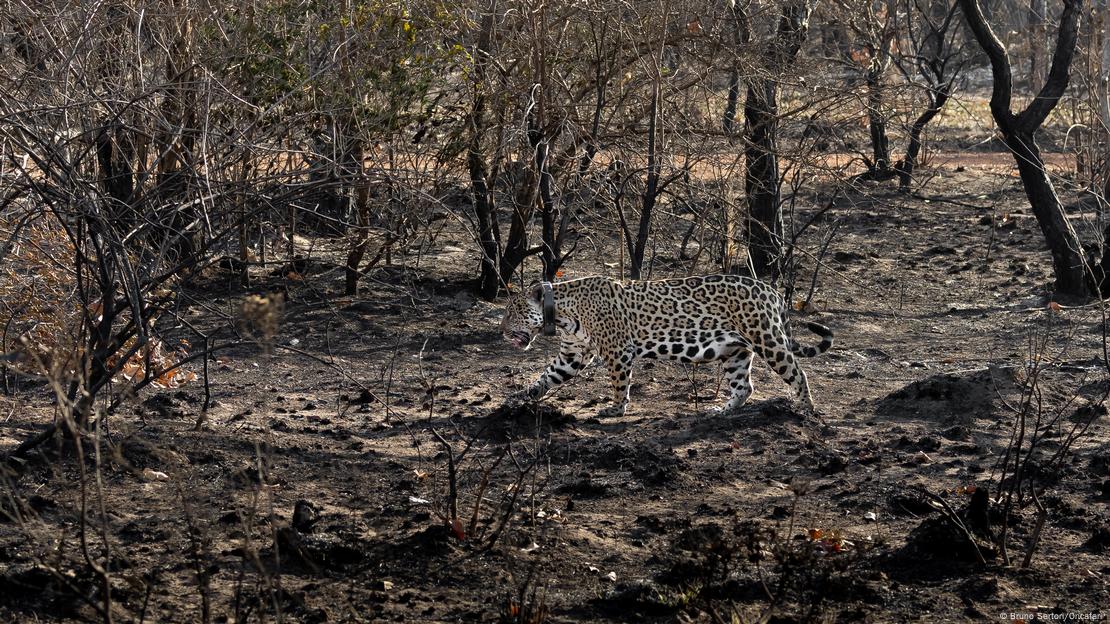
692	320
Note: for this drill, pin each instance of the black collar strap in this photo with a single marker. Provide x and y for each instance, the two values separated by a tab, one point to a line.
548	309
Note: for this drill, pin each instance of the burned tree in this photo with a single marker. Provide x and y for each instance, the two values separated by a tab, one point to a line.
873	25
489	279
761	168
936	57
1019	130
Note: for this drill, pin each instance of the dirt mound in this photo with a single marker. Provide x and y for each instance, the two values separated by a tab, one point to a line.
951	400
32	587
941	540
776	411
516	420
652	465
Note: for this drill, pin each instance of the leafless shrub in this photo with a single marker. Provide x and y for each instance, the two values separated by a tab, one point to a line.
1040	442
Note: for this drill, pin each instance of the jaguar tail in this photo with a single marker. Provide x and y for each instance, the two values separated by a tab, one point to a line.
826	341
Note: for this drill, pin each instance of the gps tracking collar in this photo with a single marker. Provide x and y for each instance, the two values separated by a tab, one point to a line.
548	309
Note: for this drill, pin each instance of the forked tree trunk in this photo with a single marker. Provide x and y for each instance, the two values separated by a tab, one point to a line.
906	166
1019	131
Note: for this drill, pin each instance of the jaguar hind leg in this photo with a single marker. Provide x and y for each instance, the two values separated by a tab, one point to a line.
786	365
738	371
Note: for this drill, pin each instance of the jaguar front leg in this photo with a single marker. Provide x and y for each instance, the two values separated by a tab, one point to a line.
571	360
620	377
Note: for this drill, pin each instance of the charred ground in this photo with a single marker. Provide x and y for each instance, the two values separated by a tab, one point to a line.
317	484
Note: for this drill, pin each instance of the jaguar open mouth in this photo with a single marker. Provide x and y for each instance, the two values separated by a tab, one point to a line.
519	339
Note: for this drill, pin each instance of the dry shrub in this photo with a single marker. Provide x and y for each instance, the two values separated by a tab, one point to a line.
40	307
42	313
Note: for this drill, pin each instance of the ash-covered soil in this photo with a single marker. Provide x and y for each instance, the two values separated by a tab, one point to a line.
317	487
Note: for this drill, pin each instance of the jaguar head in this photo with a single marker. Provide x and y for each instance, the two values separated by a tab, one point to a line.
523	319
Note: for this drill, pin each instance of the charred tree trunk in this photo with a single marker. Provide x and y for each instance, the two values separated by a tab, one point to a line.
636	259
356	193
540	136
740	35
116	174
876	124
550	253
352	178
552	240
176	170
1063	243
1020	129
906	166
936	59
761	170
524	200
733	101
489	278
761	179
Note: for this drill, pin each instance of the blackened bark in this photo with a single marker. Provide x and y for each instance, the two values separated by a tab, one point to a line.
636	264
880	145
733	100
1063	242
1102	274
540	135
1019	130
906	166
933	61
550	253
741	34
489	278
116	174
761	179
524	203
761	170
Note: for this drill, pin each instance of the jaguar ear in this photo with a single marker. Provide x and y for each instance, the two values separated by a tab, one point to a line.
537	293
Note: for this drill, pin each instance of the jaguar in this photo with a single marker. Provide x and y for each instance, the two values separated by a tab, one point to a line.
725	318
